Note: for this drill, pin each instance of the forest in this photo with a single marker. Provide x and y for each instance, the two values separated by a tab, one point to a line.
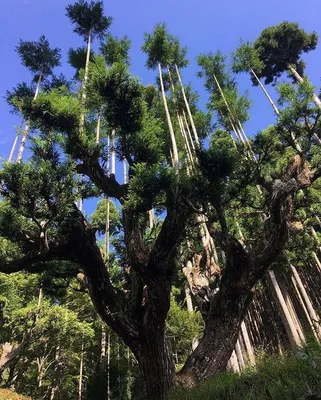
198	275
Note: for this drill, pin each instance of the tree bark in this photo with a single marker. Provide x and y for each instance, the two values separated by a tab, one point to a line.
248	345
286	317
222	328
276	110
187	107
156	365
81	368
299	78
27	127
313	315
169	121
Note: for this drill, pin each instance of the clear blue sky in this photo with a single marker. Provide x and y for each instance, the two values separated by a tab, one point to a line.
201	25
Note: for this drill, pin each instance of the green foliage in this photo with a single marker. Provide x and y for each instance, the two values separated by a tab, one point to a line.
274	378
98	218
163	48
115	50
282	45
89	18
233	108
19	97
182	328
148	185
57	109
38	57
246	58
77	59
123	96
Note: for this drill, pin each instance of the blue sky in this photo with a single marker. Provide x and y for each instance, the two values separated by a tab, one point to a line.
201	25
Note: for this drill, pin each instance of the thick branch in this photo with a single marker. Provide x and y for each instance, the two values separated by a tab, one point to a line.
107	184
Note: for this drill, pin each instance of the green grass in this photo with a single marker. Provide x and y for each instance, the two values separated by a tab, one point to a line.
274	378
6	394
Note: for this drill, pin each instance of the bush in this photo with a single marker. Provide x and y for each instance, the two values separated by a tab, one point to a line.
274	378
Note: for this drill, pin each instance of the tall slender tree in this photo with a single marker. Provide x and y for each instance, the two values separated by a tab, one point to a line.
40	59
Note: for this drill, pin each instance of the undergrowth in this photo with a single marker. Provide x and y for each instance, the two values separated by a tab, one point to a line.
294	377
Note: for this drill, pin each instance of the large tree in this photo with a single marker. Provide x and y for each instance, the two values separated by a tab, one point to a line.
40	218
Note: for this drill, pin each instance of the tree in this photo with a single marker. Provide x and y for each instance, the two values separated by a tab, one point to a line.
279	49
40	59
51	235
90	22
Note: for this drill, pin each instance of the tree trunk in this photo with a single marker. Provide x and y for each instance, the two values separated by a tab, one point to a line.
285	315
248	345
27	127
107	236
313	315
187	107
13	148
222	327
233	363
98	128
112	153
108	366
299	78
54	386
156	364
169	121
305	310
276	110
240	358
84	85
125	173
81	368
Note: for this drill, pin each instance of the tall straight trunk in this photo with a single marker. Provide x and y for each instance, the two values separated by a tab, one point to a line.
189	156
239	355
151	218
13	148
84	84
169	121
27	127
313	315
188	131
81	369
285	314
107	228
293	313
305	310
54	386
317	261
299	78
248	345
129	379
233	363
113	153
108	366
125	170
98	128
276	110
187	107
103	343
189	303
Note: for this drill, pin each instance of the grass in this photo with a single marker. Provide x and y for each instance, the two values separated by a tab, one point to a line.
6	394
274	378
